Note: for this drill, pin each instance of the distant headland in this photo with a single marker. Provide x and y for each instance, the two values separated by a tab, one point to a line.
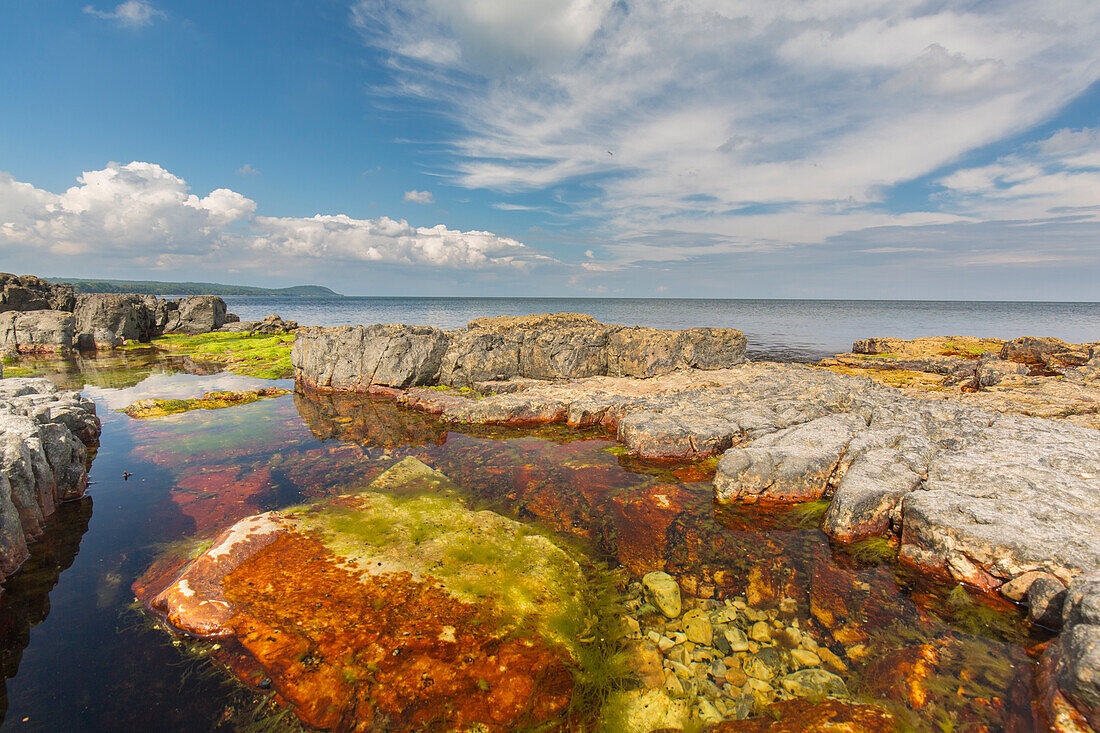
157	287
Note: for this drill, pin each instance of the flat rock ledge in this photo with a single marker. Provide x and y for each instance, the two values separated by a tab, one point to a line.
549	347
44	434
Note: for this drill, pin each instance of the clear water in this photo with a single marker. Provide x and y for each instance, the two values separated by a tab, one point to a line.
801	330
77	655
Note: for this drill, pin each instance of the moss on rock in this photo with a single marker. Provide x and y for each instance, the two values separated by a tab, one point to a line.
266	357
153	407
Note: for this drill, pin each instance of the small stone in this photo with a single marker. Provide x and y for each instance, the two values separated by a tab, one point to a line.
758	668
788	606
721	643
759	687
831	661
664	643
674	686
663	591
654	637
717	670
680	655
630	626
678	637
698	627
814	683
1045	598
708	713
803	658
760	632
681	670
736	677
736	639
709	689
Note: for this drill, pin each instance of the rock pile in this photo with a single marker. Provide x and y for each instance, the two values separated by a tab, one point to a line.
43	437
724	659
39	317
547	347
271	325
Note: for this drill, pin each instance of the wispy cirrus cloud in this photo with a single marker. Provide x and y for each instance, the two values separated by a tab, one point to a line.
740	124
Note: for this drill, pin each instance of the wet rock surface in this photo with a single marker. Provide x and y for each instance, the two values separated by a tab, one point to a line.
371	610
1073	682
546	347
44	434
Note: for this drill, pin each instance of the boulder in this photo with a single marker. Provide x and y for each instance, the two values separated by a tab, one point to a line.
191	315
30	293
555	346
1032	350
42	331
43	432
271	325
559	346
131	317
354	358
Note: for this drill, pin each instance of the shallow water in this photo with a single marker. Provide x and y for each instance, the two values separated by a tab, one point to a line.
78	656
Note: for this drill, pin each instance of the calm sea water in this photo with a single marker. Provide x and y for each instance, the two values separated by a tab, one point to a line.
776	329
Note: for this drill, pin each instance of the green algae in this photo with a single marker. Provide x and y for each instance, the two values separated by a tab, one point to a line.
806	515
266	357
873	550
155	407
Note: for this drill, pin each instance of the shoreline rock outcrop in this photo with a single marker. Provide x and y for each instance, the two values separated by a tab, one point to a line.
40	317
556	346
44	435
1038	377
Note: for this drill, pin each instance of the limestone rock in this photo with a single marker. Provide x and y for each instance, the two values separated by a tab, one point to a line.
43	432
41	331
353	358
30	293
125	316
795	464
191	315
663	592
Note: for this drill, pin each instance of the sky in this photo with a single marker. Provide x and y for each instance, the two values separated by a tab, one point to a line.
928	149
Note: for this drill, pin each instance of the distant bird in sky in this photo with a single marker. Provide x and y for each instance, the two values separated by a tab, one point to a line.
609	152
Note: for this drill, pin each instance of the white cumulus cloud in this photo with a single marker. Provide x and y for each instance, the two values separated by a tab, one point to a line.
144	215
419	197
132	13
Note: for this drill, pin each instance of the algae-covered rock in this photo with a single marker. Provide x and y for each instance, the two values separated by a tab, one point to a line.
395	607
154	407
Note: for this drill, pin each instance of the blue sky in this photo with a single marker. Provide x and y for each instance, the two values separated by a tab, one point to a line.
745	148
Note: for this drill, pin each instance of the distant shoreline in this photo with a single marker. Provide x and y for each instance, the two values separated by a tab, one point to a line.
162	288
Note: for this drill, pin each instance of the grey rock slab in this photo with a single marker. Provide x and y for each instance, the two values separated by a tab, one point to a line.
794	464
43	331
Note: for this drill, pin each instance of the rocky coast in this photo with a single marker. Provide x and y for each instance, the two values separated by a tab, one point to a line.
39	317
976	491
435	580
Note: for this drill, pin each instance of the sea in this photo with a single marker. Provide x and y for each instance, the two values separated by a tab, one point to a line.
781	330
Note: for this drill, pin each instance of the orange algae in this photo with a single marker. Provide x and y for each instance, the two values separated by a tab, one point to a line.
356	652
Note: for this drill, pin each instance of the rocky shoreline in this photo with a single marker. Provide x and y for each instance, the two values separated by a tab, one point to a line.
37	317
1001	502
44	438
978	459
